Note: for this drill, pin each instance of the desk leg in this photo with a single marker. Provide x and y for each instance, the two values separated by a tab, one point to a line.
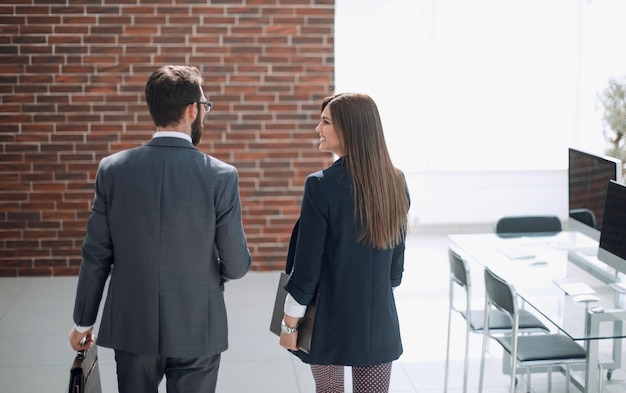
591	366
617	346
593	321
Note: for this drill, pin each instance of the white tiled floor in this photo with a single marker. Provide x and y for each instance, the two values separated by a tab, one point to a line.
35	317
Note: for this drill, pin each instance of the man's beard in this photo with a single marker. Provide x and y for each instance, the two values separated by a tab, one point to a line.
196	130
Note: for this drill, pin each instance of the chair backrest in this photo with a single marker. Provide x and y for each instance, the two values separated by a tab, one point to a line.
511	226
585	216
459	271
500	293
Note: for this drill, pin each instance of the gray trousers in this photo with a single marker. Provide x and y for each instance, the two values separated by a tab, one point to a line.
143	373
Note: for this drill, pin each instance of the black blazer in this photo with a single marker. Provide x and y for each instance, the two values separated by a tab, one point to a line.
357	322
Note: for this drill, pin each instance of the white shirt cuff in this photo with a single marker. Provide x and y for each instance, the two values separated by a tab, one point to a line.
293	308
82	329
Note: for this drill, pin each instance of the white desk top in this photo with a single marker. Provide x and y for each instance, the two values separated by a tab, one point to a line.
535	282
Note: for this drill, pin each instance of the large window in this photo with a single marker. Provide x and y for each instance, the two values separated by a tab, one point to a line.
482	84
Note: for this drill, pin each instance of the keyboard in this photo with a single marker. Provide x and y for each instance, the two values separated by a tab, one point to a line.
573	287
558	244
514	251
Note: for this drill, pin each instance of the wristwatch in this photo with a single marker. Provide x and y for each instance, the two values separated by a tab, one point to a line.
287	329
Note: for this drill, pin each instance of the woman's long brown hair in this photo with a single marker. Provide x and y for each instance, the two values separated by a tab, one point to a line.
380	191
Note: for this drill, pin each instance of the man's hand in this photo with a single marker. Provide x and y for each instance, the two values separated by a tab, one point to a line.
81	341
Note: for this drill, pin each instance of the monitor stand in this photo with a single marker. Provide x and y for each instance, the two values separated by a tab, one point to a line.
590	251
589	263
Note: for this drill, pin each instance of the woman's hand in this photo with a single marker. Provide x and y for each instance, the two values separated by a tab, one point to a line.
290	340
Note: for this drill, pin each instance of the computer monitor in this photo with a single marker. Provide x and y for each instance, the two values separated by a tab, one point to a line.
612	246
588	177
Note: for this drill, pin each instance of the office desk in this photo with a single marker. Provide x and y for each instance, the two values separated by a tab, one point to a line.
587	322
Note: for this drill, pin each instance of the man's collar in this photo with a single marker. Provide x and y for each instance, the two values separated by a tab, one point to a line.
171	134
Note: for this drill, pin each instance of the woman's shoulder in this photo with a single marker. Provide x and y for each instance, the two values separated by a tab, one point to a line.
338	166
333	174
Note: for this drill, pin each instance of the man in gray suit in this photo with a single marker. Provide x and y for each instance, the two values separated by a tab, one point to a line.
166	224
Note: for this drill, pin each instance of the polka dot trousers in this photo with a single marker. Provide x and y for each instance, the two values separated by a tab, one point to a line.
371	379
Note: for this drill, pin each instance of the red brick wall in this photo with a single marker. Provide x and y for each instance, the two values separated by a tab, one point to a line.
71	90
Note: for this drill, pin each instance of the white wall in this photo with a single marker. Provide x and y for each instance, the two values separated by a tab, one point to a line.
481	99
480	197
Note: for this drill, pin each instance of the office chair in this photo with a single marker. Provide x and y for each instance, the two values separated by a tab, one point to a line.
513	226
474	319
524	350
585	216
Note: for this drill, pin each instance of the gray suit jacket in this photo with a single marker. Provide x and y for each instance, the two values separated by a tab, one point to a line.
166	223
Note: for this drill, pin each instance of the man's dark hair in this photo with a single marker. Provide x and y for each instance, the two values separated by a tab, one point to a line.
169	90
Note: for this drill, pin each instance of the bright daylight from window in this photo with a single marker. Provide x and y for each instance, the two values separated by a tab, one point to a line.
483	84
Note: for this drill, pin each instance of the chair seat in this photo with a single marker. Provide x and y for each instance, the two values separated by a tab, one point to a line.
498	320
531	349
544	347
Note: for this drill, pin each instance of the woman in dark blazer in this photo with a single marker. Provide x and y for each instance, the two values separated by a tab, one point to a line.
350	246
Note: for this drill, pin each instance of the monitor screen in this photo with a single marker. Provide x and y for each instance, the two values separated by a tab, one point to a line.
612	246
588	178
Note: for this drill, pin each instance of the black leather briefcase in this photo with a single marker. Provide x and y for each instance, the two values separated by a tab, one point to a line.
85	373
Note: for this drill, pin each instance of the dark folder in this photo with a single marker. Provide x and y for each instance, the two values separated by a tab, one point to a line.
305	330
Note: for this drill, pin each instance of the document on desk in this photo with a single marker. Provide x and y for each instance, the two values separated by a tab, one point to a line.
572	286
